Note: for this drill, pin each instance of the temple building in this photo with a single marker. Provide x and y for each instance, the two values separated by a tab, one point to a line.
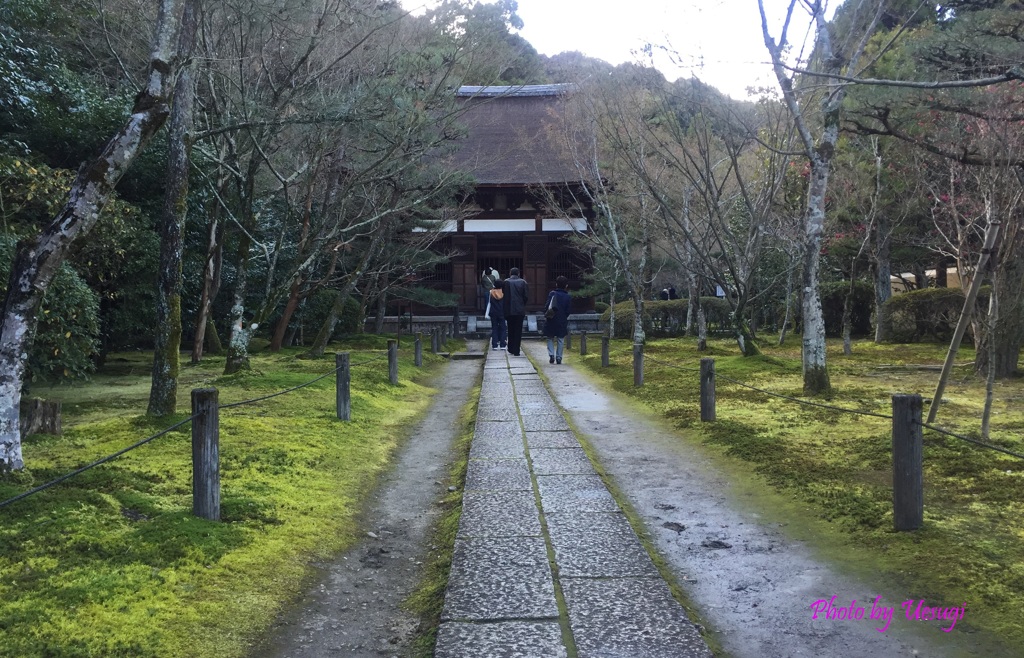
514	149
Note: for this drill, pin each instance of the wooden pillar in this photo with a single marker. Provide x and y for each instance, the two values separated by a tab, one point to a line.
568	340
206	454
343	380
707	390
907	463
419	349
393	362
583	343
638	364
604	351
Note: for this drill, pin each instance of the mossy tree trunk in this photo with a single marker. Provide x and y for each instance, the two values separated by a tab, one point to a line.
744	335
163	391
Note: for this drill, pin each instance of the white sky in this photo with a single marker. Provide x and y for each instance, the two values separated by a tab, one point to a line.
717	41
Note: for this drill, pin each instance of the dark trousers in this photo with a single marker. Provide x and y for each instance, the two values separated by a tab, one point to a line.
515	333
499	332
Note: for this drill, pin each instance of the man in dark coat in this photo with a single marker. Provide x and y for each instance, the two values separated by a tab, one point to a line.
557	326
515	298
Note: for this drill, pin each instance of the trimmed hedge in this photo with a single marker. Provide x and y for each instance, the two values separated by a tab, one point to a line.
668	318
913	316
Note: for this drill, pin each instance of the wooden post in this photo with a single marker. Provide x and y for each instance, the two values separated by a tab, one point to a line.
419	349
206	454
568	340
393	362
583	344
907	463
456	328
638	364
604	351
435	341
707	390
343	380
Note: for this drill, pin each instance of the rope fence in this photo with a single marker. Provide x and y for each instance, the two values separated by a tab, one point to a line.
206	433
906	419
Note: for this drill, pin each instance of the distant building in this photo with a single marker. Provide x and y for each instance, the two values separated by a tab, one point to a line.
898	282
514	148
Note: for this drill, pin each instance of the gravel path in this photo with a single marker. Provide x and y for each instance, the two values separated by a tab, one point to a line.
352	610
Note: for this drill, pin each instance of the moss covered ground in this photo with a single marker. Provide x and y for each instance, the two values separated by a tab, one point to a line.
112	562
834	468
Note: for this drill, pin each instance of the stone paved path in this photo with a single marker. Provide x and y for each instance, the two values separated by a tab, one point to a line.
545	563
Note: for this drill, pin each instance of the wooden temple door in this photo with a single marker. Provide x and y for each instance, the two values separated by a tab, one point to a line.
464	274
535	269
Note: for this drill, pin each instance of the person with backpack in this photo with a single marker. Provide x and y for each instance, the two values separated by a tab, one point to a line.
556	314
496	313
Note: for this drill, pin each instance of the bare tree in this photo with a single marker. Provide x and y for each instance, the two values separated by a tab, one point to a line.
36	263
819	146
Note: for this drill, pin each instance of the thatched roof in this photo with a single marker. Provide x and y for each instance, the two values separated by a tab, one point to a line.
515	135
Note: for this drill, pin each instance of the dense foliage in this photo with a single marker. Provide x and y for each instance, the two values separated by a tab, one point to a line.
66	341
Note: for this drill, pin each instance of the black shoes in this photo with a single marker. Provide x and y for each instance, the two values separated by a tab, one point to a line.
558	360
551	359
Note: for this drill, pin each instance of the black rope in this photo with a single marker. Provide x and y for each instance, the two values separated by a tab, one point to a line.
295	388
852	411
974	441
670	365
62	478
363	363
51	483
806	402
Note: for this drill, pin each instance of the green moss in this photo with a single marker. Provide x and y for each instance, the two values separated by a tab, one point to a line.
112	563
828	474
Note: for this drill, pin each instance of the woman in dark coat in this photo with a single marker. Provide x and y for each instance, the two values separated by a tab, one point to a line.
557	327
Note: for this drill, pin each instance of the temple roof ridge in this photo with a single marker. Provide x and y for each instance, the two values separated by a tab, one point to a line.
489	91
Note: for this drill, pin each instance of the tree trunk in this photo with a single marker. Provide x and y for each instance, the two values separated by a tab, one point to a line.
788	306
242	331
378	322
286	317
611	310
848	310
744	334
991	235
163	391
990	378
35	264
330	323
211	286
213	342
702	330
639	337
1005	335
816	380
883	275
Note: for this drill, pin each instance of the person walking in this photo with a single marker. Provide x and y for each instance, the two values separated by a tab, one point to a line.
487	283
496	312
516	294
556	314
